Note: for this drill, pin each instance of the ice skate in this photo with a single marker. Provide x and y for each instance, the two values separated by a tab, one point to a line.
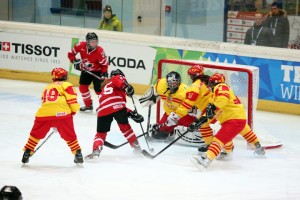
86	108
26	155
94	156
202	149
136	148
259	150
78	159
202	162
224	156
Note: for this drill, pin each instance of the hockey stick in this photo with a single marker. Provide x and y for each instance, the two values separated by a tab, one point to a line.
150	149
148	155
149	109
112	146
94	75
43	142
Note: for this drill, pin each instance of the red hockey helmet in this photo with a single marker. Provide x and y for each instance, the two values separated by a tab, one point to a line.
195	72
59	74
216	79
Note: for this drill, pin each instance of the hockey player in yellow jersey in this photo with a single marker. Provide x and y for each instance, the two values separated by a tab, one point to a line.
59	105
226	107
198	95
173	93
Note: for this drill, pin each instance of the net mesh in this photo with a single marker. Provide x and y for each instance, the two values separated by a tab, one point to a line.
242	79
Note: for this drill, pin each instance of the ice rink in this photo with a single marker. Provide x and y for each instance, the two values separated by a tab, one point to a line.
122	175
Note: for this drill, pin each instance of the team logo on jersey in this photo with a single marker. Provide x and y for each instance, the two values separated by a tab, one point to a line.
4	46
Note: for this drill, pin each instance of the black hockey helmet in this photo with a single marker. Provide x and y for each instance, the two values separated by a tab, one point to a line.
89	37
116	72
10	192
173	81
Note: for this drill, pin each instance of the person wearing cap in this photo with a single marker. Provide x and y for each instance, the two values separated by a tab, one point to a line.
110	22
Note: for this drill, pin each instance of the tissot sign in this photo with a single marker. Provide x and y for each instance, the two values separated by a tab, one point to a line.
33	53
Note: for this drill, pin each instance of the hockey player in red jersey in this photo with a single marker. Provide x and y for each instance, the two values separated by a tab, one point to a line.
59	105
113	106
94	60
226	107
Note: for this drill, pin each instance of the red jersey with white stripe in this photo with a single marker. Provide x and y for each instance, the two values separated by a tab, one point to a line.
94	60
113	96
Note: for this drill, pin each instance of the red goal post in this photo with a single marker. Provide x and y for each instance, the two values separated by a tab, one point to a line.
244	80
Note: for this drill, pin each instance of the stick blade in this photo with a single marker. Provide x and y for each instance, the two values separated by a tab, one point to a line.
147	154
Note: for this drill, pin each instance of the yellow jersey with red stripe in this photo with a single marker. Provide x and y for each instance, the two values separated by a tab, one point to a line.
59	100
197	95
171	102
228	104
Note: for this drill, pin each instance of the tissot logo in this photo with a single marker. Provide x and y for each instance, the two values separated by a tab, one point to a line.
4	46
126	62
29	49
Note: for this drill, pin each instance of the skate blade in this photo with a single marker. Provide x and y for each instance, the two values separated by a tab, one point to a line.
80	165
91	159
195	161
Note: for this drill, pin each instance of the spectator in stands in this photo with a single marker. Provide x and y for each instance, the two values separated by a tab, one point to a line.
257	34
110	22
279	25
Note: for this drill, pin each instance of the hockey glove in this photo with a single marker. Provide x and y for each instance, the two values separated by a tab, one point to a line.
129	90
173	119
77	64
135	116
210	111
149	98
197	123
104	75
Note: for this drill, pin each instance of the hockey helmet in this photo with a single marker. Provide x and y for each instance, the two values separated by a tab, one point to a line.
173	81
116	72
215	79
10	192
195	72
59	74
91	40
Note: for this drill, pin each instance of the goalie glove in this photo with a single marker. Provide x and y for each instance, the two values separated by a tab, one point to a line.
210	111
173	119
197	123
149	98
77	64
135	116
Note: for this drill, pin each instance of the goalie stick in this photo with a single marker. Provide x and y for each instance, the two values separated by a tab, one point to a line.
112	146
148	155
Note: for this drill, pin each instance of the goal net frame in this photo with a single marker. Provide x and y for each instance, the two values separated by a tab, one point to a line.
250	101
235	76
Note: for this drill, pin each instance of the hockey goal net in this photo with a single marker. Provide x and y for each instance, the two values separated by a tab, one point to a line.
244	80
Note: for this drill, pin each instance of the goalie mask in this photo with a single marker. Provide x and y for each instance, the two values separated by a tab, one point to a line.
173	81
59	74
91	41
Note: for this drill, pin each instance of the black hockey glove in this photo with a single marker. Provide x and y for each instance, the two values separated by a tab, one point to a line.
197	123
135	116
129	90
77	64
210	111
104	76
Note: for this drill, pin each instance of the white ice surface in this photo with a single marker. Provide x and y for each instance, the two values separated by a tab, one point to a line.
121	175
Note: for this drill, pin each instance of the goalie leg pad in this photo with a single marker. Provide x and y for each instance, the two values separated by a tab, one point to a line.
149	98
